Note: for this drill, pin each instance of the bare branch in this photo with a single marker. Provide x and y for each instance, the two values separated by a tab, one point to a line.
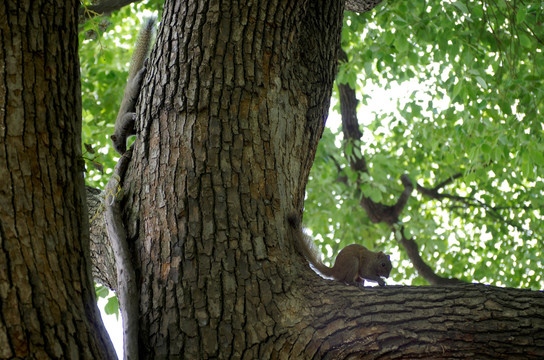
342	178
466	201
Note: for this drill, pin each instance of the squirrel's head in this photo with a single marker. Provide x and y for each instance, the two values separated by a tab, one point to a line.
383	265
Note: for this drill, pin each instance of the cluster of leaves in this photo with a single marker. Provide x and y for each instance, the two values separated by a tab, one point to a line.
470	89
112	304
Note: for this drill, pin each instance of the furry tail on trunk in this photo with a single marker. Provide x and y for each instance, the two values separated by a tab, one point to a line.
305	245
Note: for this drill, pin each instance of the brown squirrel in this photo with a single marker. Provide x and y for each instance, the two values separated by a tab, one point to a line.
353	264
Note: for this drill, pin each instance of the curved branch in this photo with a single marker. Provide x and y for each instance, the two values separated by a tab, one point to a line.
424	270
433	192
465	200
389	214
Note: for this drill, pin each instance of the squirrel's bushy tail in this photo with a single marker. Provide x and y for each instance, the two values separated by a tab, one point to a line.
305	246
143	43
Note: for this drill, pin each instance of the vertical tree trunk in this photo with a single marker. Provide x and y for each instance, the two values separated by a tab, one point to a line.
47	302
225	144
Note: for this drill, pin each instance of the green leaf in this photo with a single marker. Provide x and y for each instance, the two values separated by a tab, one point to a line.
376	196
462	7
402	44
481	81
101	291
521	14
112	306
525	41
486	148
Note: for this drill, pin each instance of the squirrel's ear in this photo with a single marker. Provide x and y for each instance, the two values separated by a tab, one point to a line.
381	254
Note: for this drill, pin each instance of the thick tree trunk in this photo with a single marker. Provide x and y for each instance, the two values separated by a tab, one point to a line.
223	153
47	302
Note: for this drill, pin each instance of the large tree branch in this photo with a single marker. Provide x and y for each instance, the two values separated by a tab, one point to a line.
433	322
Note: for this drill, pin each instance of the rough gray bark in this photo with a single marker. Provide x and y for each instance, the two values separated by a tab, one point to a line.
432	322
224	146
47	301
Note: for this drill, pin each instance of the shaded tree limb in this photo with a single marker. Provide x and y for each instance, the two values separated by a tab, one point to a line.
350	123
377	212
